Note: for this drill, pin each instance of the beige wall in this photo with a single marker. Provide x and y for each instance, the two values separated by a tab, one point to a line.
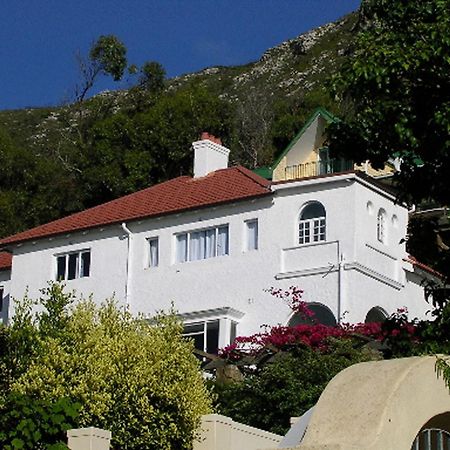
379	405
88	439
222	433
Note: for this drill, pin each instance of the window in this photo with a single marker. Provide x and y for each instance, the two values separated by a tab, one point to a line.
381	225
202	244
204	334
312	223
251	238
153	255
73	265
1	299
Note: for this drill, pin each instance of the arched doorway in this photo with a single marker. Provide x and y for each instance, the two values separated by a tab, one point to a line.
322	315
376	314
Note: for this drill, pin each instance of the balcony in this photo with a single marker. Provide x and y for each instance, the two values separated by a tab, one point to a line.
316	168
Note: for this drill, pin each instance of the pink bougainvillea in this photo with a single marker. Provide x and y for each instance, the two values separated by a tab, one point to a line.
313	334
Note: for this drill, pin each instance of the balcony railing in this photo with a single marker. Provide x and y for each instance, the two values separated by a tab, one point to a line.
315	168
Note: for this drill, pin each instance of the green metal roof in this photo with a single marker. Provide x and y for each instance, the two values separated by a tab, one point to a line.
265	172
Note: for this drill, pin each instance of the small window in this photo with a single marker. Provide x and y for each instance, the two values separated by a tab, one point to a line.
312	223
153	256
381	226
202	244
70	266
204	334
251	239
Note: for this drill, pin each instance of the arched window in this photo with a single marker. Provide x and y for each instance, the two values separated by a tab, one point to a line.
312	223
376	314
381	226
322	315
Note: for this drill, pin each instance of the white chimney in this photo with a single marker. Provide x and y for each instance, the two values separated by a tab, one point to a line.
209	155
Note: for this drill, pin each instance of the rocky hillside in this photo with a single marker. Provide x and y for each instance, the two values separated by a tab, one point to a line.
54	161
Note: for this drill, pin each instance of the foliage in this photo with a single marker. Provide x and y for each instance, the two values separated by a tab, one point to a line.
287	386
65	159
152	77
396	92
30	423
285	368
137	379
108	54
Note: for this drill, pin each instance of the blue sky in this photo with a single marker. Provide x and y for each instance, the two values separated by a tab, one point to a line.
40	38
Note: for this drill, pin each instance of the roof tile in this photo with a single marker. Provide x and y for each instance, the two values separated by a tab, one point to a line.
176	195
5	261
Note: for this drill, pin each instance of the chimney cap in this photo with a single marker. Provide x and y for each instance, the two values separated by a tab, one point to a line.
210	137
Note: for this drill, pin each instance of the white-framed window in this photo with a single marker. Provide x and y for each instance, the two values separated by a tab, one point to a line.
312	223
153	252
202	244
251	235
204	334
72	265
211	329
381	226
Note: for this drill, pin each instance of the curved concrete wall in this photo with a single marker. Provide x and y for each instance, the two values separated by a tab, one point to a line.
378	405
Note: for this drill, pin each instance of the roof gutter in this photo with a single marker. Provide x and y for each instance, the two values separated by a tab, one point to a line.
128	264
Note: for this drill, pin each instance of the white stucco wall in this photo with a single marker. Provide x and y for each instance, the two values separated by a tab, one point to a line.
5	276
349	272
35	264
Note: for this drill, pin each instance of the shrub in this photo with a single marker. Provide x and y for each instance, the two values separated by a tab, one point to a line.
137	379
29	423
288	385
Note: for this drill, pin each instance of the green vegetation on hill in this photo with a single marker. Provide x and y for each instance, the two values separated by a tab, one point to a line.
56	161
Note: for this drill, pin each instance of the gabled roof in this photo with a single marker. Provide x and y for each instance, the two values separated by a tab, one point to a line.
318	112
180	194
5	261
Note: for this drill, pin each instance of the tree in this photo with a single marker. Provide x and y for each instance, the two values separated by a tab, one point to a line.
395	89
395	94
152	77
398	85
138	379
107	56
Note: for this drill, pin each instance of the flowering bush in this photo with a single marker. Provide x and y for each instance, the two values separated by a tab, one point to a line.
397	333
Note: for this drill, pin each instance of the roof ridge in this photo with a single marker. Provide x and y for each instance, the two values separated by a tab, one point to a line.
253	176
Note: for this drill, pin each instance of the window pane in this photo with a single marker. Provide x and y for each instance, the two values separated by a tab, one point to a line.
233	332
196	246
61	268
252	234
212	337
85	264
312	211
222	241
193	328
182	247
72	266
154	252
210	243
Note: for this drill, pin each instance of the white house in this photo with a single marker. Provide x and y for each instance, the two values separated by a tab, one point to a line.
213	243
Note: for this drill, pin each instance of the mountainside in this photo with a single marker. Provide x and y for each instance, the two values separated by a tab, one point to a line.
54	161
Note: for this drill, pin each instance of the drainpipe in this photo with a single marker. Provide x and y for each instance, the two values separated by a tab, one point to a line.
128	267
340	286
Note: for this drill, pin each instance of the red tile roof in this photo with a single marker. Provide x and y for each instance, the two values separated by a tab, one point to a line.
180	194
5	261
415	263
